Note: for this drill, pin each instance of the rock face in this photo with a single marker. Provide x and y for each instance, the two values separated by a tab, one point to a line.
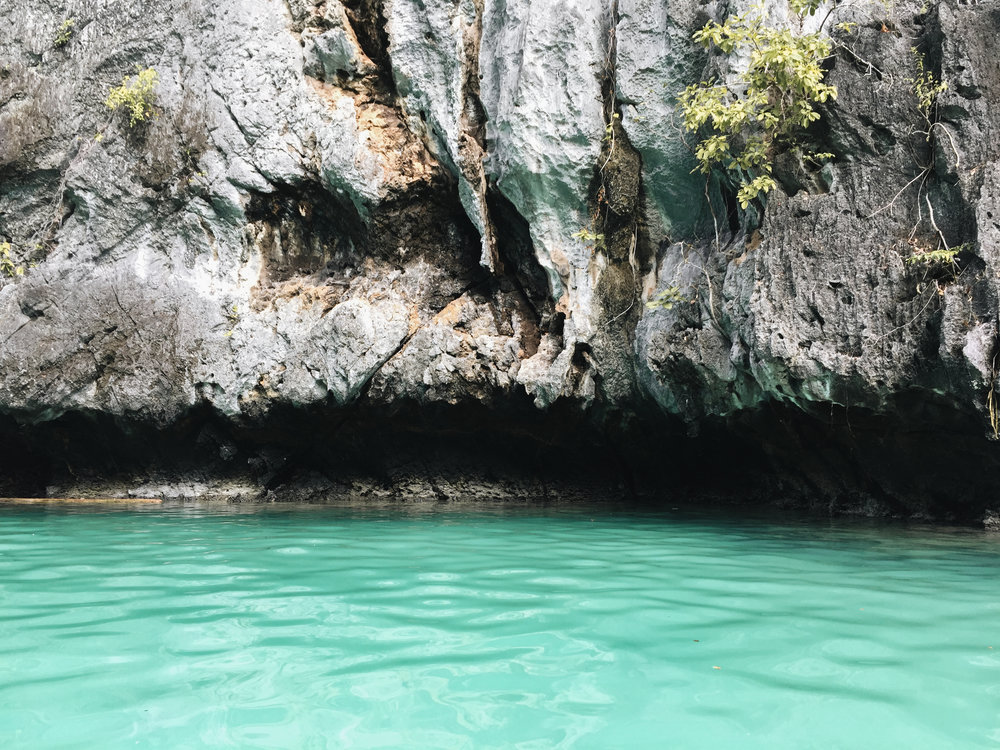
387	247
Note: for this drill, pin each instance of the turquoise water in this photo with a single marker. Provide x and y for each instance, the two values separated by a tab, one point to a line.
337	628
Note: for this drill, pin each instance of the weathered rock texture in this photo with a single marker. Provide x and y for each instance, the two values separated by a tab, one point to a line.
387	247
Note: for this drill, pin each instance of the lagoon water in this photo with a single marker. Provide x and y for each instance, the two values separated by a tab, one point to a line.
435	627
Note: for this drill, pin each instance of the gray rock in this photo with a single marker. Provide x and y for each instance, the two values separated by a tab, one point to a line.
351	209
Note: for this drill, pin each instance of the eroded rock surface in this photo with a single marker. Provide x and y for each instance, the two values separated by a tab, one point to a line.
442	222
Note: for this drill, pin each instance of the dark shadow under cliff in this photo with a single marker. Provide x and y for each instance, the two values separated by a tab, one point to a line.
928	462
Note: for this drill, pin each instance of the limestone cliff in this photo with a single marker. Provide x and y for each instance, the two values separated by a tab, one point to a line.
389	247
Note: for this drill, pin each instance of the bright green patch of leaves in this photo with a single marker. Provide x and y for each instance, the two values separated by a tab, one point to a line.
65	33
932	257
7	265
135	95
744	126
666	299
926	87
587	236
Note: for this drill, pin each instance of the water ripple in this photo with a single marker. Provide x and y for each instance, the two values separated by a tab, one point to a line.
410	627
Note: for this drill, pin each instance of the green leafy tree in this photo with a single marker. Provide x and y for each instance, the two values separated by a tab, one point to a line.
742	127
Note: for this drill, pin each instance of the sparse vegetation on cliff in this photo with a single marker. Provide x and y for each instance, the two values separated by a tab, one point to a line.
925	86
65	33
8	267
743	125
136	95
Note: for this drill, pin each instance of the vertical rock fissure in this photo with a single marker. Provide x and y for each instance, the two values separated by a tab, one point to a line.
367	19
620	247
472	137
521	268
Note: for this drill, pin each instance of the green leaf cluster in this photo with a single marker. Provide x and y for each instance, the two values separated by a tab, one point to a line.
7	265
587	236
135	95
805	7
742	127
65	33
666	299
931	257
926	87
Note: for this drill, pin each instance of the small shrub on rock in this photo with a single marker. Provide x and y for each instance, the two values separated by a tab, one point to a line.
65	33
8	267
136	95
